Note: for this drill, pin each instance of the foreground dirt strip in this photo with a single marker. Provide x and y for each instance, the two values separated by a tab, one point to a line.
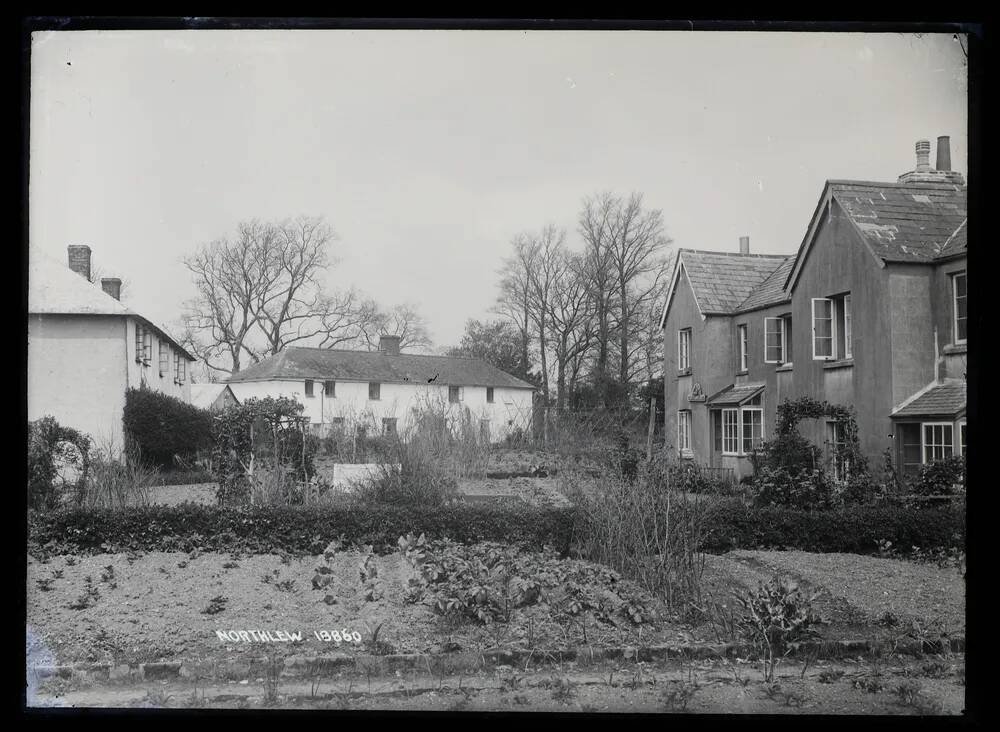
839	687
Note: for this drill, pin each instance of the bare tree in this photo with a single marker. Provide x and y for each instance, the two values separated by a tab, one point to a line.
570	321
261	293
625	243
403	320
514	299
548	247
231	278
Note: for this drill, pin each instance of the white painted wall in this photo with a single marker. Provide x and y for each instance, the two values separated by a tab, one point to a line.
511	408
79	367
150	374
77	372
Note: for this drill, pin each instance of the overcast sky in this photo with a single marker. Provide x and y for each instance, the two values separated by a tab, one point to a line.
428	150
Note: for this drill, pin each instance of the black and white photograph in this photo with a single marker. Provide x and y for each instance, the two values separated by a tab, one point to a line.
475	369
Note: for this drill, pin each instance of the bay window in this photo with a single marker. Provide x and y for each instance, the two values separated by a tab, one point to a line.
752	423
938	441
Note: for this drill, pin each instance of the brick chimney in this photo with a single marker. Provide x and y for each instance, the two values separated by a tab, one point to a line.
924	173
79	259
112	286
389	345
943	164
744	245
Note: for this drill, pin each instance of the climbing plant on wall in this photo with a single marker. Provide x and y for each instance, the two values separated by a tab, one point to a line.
790	470
258	438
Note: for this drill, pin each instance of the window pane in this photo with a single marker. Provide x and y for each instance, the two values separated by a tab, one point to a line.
847	326
823	328
374	390
717	429
773	346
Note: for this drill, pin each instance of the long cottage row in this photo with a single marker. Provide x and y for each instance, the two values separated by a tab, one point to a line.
870	312
76	328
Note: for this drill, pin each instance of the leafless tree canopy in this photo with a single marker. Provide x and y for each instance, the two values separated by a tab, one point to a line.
590	313
262	292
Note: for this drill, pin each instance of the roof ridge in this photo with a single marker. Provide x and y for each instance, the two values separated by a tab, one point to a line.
912	184
732	254
352	350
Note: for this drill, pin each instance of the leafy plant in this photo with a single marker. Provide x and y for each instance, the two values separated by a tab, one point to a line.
89	596
162	427
774	616
53	450
216	605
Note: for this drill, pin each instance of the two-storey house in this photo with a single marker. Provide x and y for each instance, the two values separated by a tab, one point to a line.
870	312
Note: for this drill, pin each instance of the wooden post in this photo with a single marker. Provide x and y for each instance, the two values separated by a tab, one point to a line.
651	429
545	425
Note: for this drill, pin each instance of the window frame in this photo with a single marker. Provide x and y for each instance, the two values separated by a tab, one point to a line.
845	317
835	440
743	438
833	333
683	431
948	445
961	437
330	388
780	332
310	388
457	391
743	337
375	387
683	349
164	362
728	439
180	371
954	306
489	395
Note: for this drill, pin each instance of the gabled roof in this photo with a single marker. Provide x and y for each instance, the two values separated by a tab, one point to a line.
899	222
734	395
938	399
904	222
957	244
772	290
55	289
203	396
721	281
406	368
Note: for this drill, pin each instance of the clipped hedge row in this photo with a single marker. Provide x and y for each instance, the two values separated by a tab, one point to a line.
853	529
307	530
291	529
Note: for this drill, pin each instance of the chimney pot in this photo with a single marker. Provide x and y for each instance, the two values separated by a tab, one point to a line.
944	153
389	344
112	286
923	156
79	259
744	245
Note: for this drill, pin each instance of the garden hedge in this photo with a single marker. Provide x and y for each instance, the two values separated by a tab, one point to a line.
304	530
293	529
853	529
162	426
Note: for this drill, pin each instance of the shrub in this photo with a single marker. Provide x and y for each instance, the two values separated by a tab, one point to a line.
774	615
644	528
414	477
261	452
855	529
161	427
116	480
52	449
292	529
941	477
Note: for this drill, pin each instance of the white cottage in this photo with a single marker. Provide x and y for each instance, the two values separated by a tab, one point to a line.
86	348
378	391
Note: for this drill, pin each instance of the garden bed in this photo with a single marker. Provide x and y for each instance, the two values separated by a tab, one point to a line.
166	606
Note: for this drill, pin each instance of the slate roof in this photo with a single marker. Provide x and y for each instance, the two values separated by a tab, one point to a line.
958	243
734	395
722	281
406	368
904	222
772	290
55	289
944	399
